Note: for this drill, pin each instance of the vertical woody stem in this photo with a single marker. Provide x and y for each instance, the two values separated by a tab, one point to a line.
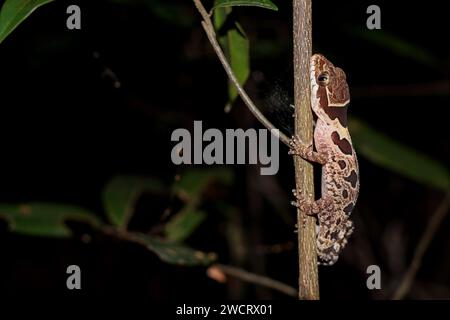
308	273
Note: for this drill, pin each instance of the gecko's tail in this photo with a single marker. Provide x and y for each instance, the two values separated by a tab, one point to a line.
332	242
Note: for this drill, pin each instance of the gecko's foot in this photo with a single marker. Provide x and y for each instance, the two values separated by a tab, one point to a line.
296	193
303	204
304	221
306	151
303	224
299	148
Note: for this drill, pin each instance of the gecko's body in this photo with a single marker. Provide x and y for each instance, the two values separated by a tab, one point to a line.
334	150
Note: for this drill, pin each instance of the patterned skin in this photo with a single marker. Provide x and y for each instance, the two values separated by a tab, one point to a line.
334	150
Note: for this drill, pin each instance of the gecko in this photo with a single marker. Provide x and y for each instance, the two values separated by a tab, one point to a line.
334	151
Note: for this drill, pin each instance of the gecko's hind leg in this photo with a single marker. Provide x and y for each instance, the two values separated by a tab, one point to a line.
305	151
311	207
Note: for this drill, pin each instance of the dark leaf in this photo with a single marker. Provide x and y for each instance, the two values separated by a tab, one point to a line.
174	253
236	47
392	155
44	219
266	4
184	223
120	196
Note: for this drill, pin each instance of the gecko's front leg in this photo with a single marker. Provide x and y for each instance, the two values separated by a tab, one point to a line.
306	151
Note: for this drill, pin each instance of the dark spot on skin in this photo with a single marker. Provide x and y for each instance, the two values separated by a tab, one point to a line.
327	250
352	178
343	144
338	221
335	234
337	112
348	209
345	194
342	164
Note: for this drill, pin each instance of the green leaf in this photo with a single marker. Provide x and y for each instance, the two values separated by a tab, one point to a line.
120	196
194	182
239	54
236	47
191	186
392	155
13	12
174	253
397	45
44	219
220	16
266	4
183	224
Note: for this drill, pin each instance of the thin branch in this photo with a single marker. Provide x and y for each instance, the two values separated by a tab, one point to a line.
227	270
209	29
257	279
308	273
427	236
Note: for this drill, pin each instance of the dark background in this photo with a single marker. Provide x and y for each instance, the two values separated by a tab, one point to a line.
65	130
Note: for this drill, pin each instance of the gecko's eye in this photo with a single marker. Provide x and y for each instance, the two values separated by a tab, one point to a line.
323	78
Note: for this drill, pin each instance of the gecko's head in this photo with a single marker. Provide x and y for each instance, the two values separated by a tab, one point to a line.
329	89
